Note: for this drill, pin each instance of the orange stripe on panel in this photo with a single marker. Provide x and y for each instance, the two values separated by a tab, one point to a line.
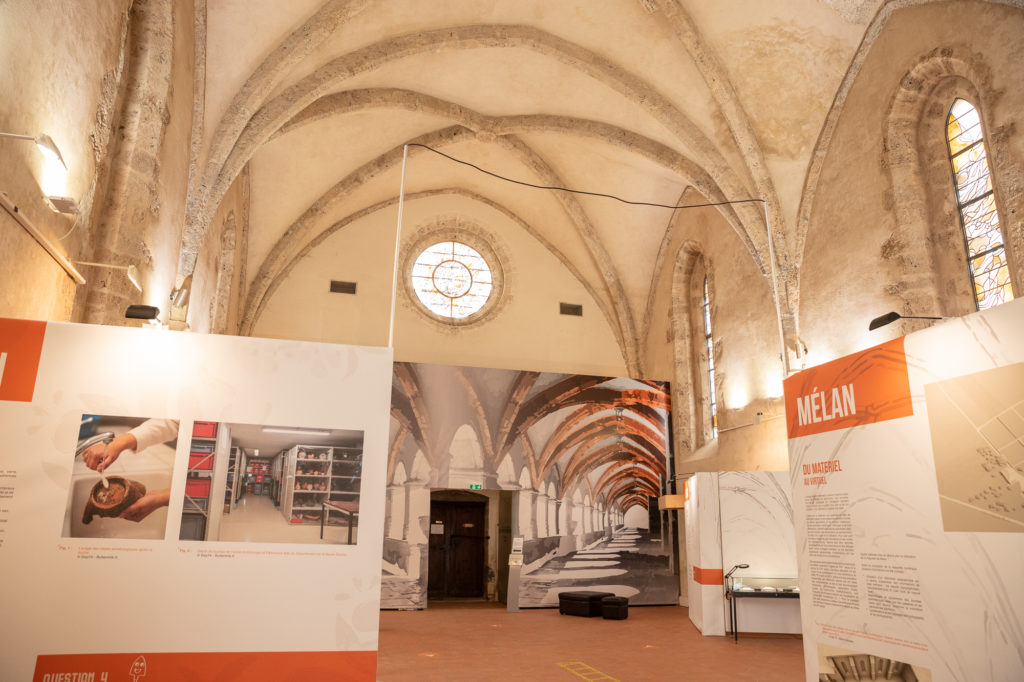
250	666
708	576
863	388
21	345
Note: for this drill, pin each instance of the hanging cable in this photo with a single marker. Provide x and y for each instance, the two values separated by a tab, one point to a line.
580	191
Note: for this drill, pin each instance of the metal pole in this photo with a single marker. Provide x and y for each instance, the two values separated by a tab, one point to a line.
398	242
775	293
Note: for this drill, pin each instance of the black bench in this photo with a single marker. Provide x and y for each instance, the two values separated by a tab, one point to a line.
615	608
582	603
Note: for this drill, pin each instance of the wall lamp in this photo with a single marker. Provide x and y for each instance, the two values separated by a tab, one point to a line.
669	502
180	295
130	270
46	145
889	318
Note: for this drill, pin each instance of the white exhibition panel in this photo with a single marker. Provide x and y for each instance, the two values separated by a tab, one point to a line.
910	514
131	595
705	593
757	530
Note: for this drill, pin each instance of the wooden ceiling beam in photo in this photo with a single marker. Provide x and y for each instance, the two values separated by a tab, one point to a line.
407	378
483	429
520	389
618	456
547	401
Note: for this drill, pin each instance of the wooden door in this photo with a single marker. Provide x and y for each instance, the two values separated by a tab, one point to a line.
458	547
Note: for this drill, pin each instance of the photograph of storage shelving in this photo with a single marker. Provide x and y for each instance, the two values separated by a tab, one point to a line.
262	483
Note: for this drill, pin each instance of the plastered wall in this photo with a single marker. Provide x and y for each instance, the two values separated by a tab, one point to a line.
526	330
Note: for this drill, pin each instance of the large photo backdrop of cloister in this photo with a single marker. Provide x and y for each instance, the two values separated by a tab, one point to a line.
573	464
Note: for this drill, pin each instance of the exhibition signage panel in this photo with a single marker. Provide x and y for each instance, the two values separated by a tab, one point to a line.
907	469
205	551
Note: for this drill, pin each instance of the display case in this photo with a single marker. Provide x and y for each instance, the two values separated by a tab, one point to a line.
746	587
315	474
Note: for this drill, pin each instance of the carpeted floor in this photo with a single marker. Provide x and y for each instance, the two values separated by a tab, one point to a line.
454	641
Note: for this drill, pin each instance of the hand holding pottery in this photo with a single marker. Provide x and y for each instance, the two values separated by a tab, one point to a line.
146	505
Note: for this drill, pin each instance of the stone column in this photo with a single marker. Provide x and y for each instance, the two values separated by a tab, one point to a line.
543	523
396	505
526	522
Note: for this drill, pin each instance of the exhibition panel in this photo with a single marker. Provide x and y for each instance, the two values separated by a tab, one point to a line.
907	464
122	447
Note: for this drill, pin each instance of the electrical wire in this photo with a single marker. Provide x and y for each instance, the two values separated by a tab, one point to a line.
73	226
580	191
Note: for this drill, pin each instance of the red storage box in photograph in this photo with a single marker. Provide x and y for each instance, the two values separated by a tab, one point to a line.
259	479
197	487
204	429
200	460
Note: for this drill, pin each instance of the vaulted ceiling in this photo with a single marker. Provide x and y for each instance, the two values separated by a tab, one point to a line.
662	101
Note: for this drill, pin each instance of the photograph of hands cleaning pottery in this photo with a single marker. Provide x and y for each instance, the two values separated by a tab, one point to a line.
625	340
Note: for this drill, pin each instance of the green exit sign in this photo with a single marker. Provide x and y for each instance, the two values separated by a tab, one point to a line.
474	486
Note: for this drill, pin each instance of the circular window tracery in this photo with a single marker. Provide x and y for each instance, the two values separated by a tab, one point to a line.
452	279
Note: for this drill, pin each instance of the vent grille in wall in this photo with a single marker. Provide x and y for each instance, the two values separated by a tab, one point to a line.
342	287
570	309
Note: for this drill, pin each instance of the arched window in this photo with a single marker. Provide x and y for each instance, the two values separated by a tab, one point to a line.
976	203
710	346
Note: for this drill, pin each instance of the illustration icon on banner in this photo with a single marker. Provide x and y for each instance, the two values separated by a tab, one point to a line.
138	669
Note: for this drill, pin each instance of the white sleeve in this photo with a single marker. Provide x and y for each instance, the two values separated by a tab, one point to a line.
154	431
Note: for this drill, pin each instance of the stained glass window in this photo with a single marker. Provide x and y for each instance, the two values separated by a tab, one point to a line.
452	279
975	199
709	345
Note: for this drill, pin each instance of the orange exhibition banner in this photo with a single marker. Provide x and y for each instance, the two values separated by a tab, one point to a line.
863	388
253	666
21	345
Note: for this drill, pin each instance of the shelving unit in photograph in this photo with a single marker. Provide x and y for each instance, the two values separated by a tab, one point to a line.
195	510
306	482
346	476
311	483
276	473
229	486
257	477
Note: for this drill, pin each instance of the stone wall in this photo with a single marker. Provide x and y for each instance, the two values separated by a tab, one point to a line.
61	71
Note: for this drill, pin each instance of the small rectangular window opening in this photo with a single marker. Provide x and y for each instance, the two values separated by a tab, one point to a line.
342	287
571	309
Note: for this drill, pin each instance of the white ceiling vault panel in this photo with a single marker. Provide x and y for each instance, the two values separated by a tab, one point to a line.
644	99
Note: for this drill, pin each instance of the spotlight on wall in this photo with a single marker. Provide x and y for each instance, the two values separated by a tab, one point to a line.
142	312
45	143
131	271
180	295
54	173
62	204
889	318
734	568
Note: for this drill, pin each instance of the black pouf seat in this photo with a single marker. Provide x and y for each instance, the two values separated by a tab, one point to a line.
582	603
614	608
